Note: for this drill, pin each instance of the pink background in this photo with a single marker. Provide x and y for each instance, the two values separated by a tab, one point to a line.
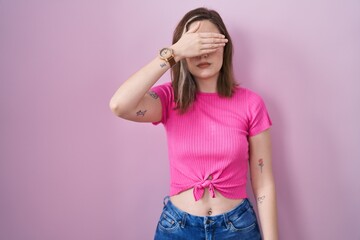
69	169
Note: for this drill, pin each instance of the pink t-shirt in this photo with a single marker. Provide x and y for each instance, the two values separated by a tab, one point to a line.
208	145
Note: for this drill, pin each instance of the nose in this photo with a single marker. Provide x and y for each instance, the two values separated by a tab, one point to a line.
204	56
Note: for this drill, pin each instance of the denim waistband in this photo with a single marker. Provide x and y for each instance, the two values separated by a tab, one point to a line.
216	220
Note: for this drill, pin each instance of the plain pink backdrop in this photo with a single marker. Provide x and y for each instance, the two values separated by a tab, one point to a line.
69	169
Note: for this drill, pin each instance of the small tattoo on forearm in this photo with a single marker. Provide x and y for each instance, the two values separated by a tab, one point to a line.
141	113
153	95
261	164
163	65
260	199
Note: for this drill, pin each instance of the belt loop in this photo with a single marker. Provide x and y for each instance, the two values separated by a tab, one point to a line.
226	220
249	202
183	220
166	199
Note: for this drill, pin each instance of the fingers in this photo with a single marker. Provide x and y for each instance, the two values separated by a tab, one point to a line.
213	40
212	43
211	35
194	43
208	51
212	46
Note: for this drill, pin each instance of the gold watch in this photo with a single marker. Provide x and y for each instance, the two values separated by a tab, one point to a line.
167	54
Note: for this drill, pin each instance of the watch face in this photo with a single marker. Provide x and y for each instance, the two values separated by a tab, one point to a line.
165	53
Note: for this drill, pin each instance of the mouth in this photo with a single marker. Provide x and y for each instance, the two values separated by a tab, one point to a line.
203	65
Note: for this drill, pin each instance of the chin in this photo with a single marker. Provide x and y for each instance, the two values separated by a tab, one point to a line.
205	75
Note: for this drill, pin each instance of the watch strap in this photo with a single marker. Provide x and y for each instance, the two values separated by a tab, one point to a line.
171	60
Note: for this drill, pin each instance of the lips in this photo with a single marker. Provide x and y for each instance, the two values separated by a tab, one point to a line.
203	65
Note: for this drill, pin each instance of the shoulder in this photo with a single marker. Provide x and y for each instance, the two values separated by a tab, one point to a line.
166	85
164	91
163	87
248	94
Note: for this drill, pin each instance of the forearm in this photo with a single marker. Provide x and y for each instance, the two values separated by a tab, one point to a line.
263	184
267	209
130	93
191	44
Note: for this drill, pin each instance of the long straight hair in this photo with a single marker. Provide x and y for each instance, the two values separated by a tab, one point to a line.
183	82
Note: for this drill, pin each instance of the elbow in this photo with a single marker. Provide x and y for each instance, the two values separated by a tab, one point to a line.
116	108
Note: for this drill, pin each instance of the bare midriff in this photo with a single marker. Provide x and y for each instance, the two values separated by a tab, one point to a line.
206	206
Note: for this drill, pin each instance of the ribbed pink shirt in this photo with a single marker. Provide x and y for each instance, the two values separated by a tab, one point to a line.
208	145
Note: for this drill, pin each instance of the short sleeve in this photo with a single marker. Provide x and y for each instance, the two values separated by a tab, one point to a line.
166	95
259	119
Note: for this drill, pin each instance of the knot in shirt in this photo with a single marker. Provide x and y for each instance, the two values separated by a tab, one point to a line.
213	137
200	188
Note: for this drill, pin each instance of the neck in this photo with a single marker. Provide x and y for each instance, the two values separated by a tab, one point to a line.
208	85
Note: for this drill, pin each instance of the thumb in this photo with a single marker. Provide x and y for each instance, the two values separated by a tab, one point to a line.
195	27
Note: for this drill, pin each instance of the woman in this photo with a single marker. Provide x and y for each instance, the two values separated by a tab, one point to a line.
215	131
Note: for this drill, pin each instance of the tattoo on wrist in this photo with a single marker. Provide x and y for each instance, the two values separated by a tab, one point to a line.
153	95
162	65
261	164
260	199
141	113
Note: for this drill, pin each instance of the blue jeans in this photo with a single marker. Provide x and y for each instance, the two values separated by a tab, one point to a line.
239	223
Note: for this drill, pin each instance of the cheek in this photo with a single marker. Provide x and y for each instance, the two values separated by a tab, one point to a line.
219	54
191	64
190	61
218	59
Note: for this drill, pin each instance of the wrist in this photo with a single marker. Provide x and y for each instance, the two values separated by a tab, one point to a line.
176	52
167	54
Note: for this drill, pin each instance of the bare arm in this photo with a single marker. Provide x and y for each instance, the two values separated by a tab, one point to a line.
126	100
133	101
263	184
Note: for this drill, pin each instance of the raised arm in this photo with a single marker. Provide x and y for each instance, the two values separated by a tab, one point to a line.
133	100
263	184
